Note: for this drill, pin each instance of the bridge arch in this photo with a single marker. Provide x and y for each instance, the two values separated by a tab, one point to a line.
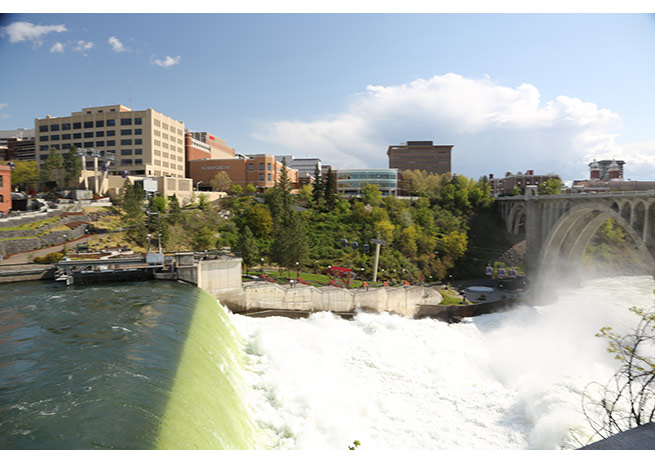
565	244
516	219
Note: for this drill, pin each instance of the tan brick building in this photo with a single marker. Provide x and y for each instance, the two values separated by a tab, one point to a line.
145	142
262	171
421	155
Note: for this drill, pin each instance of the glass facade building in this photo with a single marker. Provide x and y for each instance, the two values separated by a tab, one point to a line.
352	182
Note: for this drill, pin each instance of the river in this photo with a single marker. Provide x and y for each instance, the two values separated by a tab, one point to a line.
161	365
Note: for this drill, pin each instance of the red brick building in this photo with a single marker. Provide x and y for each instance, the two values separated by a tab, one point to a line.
5	188
262	171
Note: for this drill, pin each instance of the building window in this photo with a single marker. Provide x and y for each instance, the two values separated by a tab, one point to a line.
88	124
268	167
138	161
111	143
126	132
137	120
138	152
77	135
111	122
88	135
66	127
77	125
137	141
43	147
261	167
44	157
100	124
100	133
43	138
55	146
54	137
138	131
249	166
126	141
111	133
126	152
261	176
269	176
100	143
126	121
43	128
88	145
65	146
54	127
126	162
65	137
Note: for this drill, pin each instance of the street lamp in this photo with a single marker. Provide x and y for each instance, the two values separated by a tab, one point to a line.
297	270
198	186
148	236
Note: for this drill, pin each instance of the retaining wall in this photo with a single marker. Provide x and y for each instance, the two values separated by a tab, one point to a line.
255	297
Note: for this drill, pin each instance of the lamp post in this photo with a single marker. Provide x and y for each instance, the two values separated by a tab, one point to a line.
378	242
198	186
148	236
297	270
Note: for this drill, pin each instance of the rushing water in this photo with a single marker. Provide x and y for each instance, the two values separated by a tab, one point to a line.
161	365
509	380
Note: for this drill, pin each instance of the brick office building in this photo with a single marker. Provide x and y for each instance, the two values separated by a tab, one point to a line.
421	155
262	171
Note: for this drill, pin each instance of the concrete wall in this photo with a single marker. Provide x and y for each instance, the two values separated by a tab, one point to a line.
219	276
269	296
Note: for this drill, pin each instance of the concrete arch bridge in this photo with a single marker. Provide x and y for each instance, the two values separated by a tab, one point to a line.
558	227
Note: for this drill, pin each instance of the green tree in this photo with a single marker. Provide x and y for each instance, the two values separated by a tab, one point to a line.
52	173
317	192
202	202
628	398
290	244
25	174
204	238
329	190
250	189
372	195
221	182
174	210
72	167
248	247
236	189
551	186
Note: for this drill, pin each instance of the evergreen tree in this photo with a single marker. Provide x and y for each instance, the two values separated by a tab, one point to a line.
330	198
52	173
248	247
317	192
290	244
72	167
174	210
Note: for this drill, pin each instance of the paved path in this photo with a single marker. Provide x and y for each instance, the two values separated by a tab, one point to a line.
24	257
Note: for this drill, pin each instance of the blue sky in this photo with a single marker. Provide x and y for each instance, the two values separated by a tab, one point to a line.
511	92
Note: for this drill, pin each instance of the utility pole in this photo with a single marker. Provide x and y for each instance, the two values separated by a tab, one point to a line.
377	243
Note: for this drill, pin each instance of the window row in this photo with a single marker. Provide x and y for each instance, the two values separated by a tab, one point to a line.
88	145
251	167
89	124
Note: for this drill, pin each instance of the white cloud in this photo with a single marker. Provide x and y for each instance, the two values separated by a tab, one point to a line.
83	47
21	31
2	107
494	129
58	47
116	45
167	62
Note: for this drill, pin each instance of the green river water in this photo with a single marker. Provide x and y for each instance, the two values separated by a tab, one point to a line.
147	365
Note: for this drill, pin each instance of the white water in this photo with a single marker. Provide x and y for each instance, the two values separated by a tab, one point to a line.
504	381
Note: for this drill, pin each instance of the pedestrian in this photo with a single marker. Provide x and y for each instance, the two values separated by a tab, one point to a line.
365	285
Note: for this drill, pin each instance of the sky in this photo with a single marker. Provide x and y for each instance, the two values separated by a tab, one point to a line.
510	92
